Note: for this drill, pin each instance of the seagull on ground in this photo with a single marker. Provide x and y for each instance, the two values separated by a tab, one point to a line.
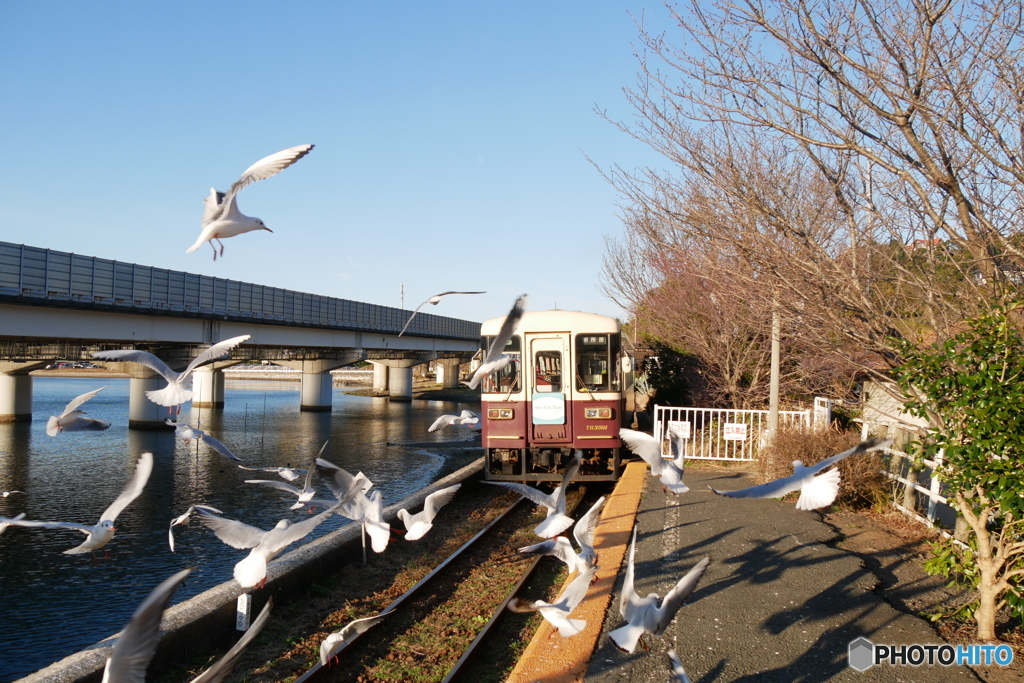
189	433
560	547
556	521
419	524
175	393
678	672
221	217
99	535
466	417
815	491
71	421
644	615
494	360
435	300
184	519
333	643
557	613
305	494
286	473
251	572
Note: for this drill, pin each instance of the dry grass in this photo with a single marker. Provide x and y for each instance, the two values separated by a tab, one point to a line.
863	484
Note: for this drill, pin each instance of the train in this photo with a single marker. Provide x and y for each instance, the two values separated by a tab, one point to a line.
569	387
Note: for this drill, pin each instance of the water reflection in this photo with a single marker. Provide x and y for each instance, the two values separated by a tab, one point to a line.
74	476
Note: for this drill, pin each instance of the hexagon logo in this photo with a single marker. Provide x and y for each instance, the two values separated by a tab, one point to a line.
861	654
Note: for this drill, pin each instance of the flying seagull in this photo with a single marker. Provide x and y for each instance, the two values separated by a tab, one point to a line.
286	473
7	522
494	359
670	472
188	433
221	217
305	494
556	521
333	643
99	535
71	421
644	615
435	300
175	392
557	612
419	524
561	548
184	519
815	491
466	417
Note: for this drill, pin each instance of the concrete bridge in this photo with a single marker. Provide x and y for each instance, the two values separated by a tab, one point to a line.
56	305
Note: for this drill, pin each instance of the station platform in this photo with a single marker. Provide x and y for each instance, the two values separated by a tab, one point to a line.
779	601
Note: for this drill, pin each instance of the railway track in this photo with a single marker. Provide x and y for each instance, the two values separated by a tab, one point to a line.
407	611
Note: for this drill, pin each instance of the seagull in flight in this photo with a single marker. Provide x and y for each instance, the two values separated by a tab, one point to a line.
184	519
815	491
71	421
175	393
435	300
560	547
419	524
99	535
494	360
466	417
305	494
556	521
333	643
286	473
189	433
644	615
557	612
221	217
670	472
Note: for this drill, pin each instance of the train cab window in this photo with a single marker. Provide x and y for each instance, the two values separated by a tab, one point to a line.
505	379
595	362
549	371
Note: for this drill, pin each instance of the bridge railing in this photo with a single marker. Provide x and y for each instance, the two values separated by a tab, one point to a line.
88	281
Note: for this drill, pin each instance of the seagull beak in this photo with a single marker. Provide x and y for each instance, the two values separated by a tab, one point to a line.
267	229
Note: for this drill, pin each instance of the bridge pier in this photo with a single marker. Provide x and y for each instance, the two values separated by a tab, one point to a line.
447	370
143	413
380	376
316	386
15	398
208	385
399	376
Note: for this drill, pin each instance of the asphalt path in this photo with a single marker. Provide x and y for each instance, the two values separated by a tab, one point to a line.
777	603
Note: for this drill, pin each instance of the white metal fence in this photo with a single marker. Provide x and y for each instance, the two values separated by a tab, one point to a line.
721	434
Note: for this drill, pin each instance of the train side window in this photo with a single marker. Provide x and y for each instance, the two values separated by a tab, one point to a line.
595	355
549	371
506	378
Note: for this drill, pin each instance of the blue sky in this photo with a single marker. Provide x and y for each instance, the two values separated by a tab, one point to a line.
451	141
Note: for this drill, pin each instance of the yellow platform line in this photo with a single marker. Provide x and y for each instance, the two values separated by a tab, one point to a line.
553	659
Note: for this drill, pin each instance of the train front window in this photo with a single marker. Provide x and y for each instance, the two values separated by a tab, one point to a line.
549	371
505	379
595	362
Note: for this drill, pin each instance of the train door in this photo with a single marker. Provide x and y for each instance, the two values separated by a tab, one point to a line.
550	418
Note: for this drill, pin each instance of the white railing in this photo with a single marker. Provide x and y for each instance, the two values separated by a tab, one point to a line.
719	433
920	494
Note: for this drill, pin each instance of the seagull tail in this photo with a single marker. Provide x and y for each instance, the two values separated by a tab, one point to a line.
572	627
626	637
199	242
172	395
251	571
52	426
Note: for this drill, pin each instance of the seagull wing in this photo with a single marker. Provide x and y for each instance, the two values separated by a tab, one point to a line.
862	447
535	495
274	484
267	167
415	311
497	346
674	600
573	594
18	521
219	671
773	489
140	357
438	499
236	534
216	445
628	593
442	422
570	474
215	352
135	646
342	484
644	445
279	539
678	672
584	529
132	489
558	546
79	401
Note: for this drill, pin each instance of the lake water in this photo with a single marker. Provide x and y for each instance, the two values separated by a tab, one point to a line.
55	604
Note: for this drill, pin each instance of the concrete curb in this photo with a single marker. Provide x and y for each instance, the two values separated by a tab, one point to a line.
208	619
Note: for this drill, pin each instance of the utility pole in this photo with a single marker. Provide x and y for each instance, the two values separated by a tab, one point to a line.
773	384
402	305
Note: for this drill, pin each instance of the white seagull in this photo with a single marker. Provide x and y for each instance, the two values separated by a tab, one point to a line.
286	473
557	613
333	643
99	535
175	393
435	300
494	360
344	486
184	519
4	494
466	417
305	494
670	472
561	548
644	615
556	521
221	217
371	515
815	491
71	421
419	524
266	545
189	433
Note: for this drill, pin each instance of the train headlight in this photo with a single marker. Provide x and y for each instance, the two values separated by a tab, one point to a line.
500	413
598	413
